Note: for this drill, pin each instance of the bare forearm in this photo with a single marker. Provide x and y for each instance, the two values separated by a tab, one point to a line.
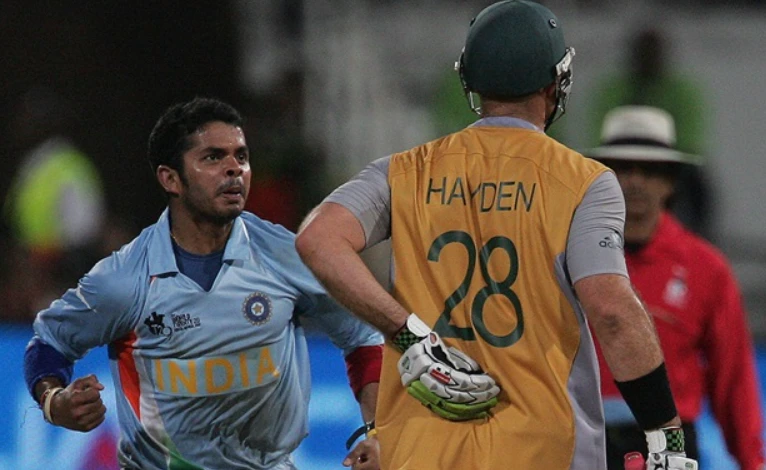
328	243
345	276
629	344
368	398
622	326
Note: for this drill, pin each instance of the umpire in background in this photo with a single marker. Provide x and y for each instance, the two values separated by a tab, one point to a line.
688	288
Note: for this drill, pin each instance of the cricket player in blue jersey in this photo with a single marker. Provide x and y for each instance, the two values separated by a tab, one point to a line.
202	314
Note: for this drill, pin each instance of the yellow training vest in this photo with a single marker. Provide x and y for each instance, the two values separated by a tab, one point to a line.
478	219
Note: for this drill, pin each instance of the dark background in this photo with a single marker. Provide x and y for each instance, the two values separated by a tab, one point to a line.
119	64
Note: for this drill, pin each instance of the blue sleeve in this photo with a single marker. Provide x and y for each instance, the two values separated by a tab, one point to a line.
314	304
41	360
96	312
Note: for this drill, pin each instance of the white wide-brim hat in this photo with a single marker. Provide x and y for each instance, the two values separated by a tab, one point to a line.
639	133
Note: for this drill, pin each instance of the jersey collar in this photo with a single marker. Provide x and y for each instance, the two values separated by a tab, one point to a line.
505	121
162	260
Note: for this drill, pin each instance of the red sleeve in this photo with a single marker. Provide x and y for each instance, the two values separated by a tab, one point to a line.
363	367
732	378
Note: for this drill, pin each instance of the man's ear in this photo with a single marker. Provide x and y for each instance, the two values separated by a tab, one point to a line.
169	179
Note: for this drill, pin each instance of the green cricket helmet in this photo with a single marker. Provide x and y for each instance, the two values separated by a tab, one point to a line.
514	48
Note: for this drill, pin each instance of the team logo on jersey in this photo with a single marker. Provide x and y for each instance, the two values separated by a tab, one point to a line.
257	308
157	326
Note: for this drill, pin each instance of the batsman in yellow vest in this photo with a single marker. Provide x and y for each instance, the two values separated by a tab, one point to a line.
505	244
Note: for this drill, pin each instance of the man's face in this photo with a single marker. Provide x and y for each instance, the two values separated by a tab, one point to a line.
647	186
216	173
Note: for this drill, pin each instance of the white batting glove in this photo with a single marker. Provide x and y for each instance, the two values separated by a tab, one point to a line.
445	379
666	450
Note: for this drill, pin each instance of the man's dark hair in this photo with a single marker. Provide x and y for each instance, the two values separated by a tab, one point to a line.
170	137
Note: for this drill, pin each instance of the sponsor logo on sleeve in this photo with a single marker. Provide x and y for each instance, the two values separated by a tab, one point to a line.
613	240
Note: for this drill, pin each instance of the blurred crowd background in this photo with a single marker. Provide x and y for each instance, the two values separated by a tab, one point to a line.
327	86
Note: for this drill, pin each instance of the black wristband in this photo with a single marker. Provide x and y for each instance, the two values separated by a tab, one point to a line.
649	398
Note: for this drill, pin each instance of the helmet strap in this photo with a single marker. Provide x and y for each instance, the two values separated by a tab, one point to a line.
469	95
559	109
563	87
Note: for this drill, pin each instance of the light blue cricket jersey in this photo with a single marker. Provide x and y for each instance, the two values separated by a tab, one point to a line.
213	380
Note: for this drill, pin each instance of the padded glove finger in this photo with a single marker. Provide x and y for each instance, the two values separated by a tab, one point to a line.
448	410
670	461
458	393
414	363
462	361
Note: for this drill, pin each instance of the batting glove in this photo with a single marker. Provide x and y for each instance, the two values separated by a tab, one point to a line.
445	380
666	450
